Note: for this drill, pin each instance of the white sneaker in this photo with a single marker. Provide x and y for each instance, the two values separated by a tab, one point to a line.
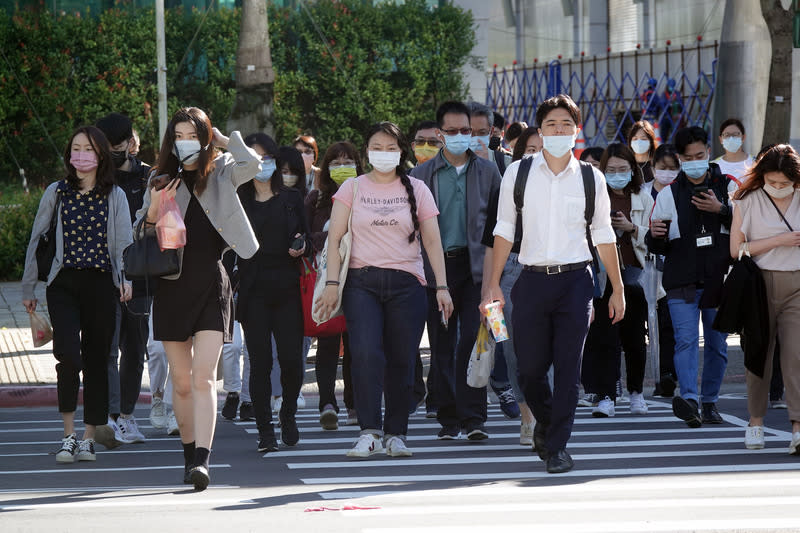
638	405
526	434
301	401
158	413
588	400
604	408
396	447
69	449
86	450
277	401
754	437
366	445
110	435
172	424
129	429
794	447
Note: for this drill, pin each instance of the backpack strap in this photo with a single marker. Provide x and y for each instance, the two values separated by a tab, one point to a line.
519	189
500	160
589	191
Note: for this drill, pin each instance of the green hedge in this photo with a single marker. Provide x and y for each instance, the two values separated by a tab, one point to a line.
17	211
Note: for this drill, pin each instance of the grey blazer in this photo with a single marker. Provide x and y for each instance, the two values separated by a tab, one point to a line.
219	200
119	232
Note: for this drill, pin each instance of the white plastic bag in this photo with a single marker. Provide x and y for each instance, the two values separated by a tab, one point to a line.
481	361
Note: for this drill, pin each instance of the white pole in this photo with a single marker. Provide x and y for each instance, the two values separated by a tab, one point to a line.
161	56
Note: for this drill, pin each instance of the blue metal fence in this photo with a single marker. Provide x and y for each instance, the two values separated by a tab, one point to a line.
670	87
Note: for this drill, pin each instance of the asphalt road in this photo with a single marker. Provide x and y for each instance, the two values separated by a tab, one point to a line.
632	473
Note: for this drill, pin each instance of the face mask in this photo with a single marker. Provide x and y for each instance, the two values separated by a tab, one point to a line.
526	156
119	157
732	144
267	170
618	180
425	153
695	169
665	177
289	180
384	161
476	140
83	161
308	159
342	173
558	145
187	151
457	144
779	193
640	146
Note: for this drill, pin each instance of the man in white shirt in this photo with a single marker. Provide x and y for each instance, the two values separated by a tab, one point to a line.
553	295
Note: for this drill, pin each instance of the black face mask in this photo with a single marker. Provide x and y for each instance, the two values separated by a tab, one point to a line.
119	157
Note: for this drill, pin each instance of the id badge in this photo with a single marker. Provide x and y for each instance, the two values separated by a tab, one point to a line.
705	240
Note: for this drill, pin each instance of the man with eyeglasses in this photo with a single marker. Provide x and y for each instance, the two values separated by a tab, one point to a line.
481	120
461	183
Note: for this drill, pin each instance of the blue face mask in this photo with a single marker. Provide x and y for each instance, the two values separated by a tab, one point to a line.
618	180
457	144
695	169
267	170
474	143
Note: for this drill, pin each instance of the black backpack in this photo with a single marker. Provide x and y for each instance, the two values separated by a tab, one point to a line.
587	173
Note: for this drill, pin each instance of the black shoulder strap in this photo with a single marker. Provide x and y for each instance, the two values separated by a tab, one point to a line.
54	216
500	160
778	210
589	191
520	182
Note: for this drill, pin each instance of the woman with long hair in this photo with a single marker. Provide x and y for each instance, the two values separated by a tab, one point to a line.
93	227
642	140
192	310
766	222
340	163
307	146
384	298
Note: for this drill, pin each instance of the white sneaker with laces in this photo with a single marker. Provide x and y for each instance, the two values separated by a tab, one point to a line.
588	400
158	413
638	405
109	435
366	445
604	408
86	450
794	447
69	449
754	437
526	434
396	447
129	429
301	401
172	424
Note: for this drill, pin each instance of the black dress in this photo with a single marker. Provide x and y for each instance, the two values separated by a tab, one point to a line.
201	298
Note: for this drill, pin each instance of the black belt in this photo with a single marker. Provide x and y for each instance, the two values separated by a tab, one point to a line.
557	269
456	252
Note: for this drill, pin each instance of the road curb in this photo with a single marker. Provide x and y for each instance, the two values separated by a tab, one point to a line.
41	396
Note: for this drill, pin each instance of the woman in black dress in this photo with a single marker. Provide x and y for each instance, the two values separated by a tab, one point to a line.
192	311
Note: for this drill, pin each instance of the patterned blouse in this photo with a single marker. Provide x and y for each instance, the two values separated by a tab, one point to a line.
84	221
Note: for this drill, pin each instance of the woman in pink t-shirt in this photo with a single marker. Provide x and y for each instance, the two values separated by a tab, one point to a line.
384	299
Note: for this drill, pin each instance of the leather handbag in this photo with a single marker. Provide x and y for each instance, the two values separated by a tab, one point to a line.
143	259
46	248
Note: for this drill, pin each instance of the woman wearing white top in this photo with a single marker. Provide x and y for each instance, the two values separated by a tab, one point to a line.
766	207
735	161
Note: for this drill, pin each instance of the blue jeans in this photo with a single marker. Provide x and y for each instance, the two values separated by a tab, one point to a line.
511	273
685	321
385	311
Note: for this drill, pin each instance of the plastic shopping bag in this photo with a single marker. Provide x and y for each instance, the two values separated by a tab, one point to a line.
41	331
170	229
481	361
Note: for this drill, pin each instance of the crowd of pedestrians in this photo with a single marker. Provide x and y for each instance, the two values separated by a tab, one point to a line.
434	227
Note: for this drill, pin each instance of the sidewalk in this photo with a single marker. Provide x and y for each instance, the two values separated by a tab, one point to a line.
28	374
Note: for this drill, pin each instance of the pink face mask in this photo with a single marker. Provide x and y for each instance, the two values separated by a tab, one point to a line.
83	161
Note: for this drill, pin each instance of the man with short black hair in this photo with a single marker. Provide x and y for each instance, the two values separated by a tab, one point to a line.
690	226
425	142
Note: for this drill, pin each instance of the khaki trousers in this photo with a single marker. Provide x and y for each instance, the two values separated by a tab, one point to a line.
783	302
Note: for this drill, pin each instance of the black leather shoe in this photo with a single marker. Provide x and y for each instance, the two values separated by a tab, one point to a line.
199	477
246	411
686	410
289	432
231	406
477	433
539	435
710	414
267	442
668	385
187	475
559	462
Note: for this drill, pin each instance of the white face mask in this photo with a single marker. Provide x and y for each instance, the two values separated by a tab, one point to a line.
187	151
732	144
640	146
558	145
289	180
665	177
384	161
779	193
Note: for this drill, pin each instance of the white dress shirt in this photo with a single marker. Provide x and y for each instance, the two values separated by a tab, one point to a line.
553	223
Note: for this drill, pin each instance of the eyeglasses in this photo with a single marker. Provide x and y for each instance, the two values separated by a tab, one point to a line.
731	135
427	142
611	170
455	131
482	133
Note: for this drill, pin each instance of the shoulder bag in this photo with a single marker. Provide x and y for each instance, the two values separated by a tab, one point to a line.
46	249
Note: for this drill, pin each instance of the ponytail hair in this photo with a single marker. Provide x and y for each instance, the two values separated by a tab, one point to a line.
391	129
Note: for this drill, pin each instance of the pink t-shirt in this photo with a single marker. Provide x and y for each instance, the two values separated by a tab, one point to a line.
382	223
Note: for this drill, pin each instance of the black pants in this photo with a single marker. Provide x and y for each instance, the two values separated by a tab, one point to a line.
325	368
459	405
82	310
776	383
418	391
666	340
278	313
604	341
129	344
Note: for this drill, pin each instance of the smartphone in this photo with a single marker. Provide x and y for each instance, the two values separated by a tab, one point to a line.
700	190
159	182
444	320
494	143
298	243
614	214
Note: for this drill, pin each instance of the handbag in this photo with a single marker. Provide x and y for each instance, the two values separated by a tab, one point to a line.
143	259
344	262
481	360
46	248
308	278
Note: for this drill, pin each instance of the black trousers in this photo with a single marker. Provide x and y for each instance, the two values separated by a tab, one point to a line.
277	313
325	368
82	305
130	342
666	340
551	319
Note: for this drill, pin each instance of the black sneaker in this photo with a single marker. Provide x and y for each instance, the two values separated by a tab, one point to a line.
187	475
267	443
665	386
449	433
686	410
246	411
199	477
539	436
710	414
289	433
508	402
477	433
231	405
